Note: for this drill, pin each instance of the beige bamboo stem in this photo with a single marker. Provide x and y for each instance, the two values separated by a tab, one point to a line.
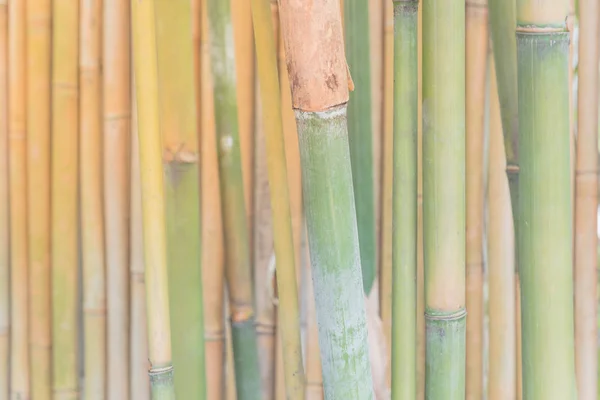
138	334
196	8
500	242
4	207
230	391
212	230
476	60
116	85
64	191
586	204
39	48
92	223
420	261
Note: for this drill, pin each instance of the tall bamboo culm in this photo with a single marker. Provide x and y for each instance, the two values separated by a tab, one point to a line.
64	199
116	71
545	214
17	152
153	202
92	215
319	85
444	197
39	56
404	228
586	204
476	63
501	249
4	207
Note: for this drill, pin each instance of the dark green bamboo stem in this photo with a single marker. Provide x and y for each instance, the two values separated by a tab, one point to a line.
404	232
360	133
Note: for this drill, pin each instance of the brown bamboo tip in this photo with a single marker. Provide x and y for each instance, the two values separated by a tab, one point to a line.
314	46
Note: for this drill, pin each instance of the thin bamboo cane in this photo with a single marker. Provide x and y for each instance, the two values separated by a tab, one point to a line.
212	231
4	208
117	108
64	192
420	262
17	139
92	224
238	257
586	206
196	10
180	162
153	204
500	242
476	60
39	50
140	385
404	208
545	213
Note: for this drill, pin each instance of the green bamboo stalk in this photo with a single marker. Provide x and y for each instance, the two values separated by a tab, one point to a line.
153	204
237	257
4	207
404	232
444	197
545	215
181	158
289	312
64	192
360	133
319	84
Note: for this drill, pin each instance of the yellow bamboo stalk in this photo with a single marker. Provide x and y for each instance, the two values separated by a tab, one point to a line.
64	191
17	136
39	50
92	223
586	205
500	244
476	60
212	229
4	207
138	371
420	261
197	54
117	103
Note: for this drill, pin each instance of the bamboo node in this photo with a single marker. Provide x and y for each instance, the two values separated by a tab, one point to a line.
539	30
512	169
180	155
159	371
452	316
242	315
265	329
214	336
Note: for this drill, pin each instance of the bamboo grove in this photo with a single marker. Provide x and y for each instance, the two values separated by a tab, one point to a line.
301	200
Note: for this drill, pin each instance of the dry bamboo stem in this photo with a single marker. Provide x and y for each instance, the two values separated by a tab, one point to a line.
212	230
476	60
17	136
64	191
39	50
586	204
92	223
4	207
138	335
117	103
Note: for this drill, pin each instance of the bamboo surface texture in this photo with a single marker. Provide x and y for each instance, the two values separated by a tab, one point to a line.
153	202
64	200
476	60
39	55
116	128
92	221
4	208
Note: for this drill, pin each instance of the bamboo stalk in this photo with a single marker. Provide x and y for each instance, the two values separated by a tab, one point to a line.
404	209
212	231
476	60
545	213
92	224
586	204
39	58
64	192
500	242
17	140
230	390
360	133
314	377
153	203
117	109
444	197
4	209
180	162
318	76
238	257
140	385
